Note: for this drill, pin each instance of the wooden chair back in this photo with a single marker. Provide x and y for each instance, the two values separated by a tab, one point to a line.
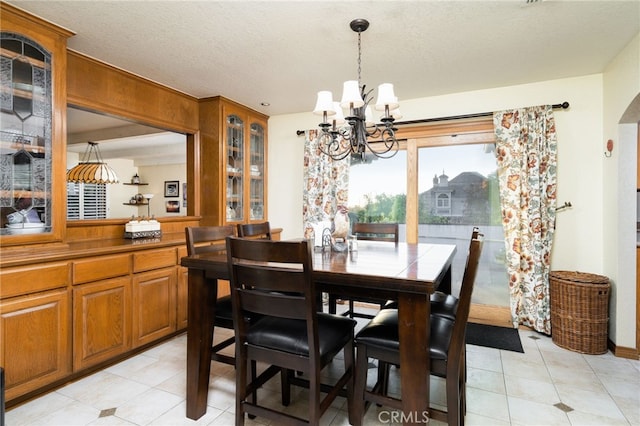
458	335
376	231
255	230
204	239
272	278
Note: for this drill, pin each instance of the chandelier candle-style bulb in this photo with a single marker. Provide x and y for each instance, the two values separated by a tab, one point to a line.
396	114
338	118
386	97
351	97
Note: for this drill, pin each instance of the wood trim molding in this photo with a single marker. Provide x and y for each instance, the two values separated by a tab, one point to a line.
623	352
28	20
97	86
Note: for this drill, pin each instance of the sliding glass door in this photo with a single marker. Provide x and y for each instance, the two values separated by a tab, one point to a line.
439	186
457	190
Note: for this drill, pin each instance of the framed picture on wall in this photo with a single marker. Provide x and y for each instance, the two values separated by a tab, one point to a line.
171	188
173	206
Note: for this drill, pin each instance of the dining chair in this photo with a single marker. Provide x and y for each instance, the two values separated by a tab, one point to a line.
207	239
274	279
366	232
380	340
442	303
255	230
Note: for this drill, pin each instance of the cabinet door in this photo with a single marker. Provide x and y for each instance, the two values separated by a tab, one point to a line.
32	125
257	171
235	167
154	305
183	298
35	338
102	321
182	293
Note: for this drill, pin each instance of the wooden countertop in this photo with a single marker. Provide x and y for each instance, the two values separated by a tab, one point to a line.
77	249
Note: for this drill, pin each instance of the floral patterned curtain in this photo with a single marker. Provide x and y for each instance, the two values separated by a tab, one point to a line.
326	183
526	155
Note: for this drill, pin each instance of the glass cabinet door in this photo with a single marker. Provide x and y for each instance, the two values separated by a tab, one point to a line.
235	169
256	192
25	136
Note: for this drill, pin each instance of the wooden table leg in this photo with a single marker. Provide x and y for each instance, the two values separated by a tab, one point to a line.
413	324
201	300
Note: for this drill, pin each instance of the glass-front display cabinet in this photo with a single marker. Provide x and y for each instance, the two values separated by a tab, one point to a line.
25	149
233	158
245	145
32	90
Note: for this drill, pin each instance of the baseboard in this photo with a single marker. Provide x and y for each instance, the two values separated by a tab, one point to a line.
622	352
490	315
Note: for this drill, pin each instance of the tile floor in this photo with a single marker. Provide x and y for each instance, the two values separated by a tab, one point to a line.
547	385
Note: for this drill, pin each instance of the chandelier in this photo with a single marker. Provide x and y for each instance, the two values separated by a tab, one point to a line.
88	171
356	133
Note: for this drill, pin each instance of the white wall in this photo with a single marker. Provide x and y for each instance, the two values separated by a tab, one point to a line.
621	98
580	237
156	176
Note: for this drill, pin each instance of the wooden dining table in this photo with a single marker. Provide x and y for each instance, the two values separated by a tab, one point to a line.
405	272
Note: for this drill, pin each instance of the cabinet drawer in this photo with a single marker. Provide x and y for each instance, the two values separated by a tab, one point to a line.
99	268
154	259
32	279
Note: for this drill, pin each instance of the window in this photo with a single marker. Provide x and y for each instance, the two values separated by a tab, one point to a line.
86	201
444	182
377	190
458	189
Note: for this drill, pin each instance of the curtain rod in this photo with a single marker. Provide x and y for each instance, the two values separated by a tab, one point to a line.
563	105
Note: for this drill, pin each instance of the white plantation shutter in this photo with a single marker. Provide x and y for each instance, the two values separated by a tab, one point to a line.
86	201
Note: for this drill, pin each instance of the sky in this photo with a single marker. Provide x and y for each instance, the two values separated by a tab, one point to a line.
389	175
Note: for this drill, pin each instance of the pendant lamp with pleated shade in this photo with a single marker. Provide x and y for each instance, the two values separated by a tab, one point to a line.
88	171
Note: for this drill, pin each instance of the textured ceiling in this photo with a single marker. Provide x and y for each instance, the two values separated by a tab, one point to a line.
283	52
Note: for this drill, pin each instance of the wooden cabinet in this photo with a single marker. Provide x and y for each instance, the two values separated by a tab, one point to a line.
233	163
33	120
182	292
36	340
101	321
154	305
154	294
35	325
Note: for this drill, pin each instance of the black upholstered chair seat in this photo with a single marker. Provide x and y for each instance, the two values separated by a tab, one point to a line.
333	333
224	312
442	304
382	332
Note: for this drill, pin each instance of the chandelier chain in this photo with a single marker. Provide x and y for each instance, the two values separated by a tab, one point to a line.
359	59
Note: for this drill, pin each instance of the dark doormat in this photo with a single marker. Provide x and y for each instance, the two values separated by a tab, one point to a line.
492	336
